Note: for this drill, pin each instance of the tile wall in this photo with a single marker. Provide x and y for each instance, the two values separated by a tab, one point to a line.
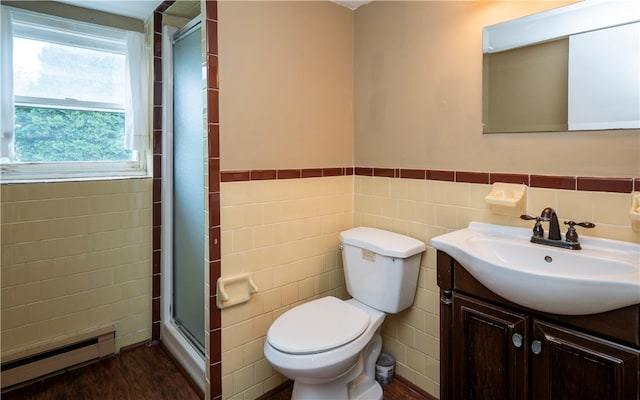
75	257
269	216
426	208
285	233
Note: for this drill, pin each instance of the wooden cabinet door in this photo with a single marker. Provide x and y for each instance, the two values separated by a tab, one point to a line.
572	365
490	354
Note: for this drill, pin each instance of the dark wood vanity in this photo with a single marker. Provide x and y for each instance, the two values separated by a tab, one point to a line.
492	349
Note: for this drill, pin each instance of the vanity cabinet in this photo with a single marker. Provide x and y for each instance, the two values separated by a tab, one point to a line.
492	349
573	365
486	363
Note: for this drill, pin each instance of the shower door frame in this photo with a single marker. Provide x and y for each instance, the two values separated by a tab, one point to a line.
180	347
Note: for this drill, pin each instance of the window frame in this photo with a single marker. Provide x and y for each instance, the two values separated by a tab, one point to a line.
53	29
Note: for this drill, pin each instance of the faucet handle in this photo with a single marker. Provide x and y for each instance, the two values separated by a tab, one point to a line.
537	228
582	224
572	235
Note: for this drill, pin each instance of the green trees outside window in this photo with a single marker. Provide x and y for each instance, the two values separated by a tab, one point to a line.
55	135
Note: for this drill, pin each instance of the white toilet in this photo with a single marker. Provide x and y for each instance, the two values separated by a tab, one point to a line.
329	347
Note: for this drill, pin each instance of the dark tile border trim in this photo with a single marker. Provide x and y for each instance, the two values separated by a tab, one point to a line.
385	172
272	174
580	183
438	175
553	182
413	173
472	177
157	170
522	179
211	64
618	185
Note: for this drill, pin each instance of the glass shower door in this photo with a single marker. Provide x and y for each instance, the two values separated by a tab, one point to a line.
188	185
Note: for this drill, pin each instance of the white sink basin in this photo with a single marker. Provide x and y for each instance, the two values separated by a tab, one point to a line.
603	276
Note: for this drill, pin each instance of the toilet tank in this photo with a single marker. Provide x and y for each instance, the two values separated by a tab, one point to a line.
381	267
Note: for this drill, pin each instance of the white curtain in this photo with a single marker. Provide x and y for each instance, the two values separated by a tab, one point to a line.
136	134
6	84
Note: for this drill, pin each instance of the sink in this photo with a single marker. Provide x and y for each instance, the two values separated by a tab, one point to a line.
603	276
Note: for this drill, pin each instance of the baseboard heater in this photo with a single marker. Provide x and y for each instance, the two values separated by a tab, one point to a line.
36	363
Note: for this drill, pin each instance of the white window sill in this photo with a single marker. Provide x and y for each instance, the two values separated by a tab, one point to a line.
73	171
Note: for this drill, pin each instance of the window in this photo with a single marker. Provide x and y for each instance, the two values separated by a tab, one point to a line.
73	100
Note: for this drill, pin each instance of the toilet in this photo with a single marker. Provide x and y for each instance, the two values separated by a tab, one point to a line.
328	346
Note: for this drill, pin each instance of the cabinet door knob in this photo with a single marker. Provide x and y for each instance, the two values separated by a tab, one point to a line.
536	347
517	340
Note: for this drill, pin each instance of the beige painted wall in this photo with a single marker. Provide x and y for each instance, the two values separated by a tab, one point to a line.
417	96
285	84
76	257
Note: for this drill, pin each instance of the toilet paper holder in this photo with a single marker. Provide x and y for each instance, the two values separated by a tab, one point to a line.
234	290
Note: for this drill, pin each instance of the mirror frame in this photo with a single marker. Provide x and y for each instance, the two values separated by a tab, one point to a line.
559	23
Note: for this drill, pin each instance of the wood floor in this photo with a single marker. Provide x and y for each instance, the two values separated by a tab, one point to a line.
146	373
397	390
141	373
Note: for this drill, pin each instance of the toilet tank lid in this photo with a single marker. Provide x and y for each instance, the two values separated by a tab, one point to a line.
382	242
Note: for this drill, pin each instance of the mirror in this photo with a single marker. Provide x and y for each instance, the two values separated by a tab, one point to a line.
572	68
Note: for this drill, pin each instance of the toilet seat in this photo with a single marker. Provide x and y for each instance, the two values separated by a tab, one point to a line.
317	326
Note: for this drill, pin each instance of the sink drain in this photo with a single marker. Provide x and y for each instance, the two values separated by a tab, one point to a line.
548	259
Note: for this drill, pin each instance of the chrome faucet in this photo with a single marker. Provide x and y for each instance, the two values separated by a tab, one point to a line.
554	238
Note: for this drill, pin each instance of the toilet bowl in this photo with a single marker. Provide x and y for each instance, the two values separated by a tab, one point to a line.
321	343
328	346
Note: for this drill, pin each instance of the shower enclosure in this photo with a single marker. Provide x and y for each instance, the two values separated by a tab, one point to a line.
183	319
